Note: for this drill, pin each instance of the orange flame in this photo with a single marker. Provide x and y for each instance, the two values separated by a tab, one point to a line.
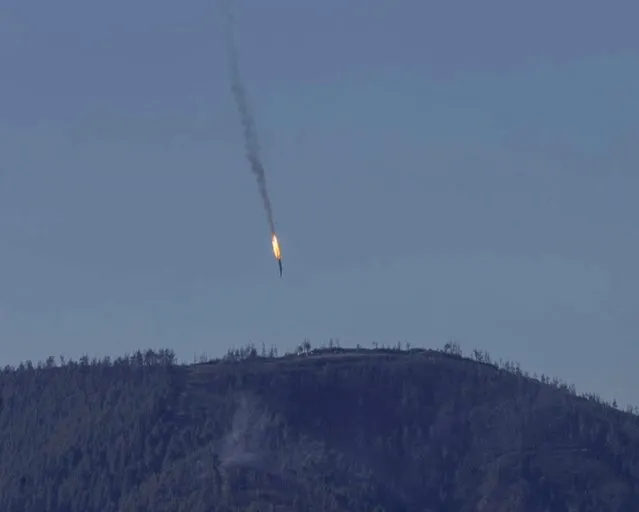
276	247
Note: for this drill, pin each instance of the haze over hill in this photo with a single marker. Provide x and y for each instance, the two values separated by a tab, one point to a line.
385	430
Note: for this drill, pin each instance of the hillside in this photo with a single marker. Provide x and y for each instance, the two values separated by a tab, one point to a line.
320	430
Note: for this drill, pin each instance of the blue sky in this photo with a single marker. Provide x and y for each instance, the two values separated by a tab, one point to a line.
458	171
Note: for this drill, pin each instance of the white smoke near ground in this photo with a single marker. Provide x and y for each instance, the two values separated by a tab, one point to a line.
246	443
252	438
256	441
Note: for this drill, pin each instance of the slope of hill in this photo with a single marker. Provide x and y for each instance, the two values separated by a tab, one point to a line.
325	430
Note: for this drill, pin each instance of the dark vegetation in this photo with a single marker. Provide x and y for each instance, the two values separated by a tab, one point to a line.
320	430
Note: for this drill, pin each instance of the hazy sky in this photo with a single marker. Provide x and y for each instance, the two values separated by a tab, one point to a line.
438	171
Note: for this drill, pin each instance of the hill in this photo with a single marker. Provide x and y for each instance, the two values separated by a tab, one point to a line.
319	430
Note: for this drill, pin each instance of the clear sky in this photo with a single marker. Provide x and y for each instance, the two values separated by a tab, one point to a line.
438	170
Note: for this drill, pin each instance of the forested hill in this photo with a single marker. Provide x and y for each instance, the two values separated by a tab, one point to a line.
320	430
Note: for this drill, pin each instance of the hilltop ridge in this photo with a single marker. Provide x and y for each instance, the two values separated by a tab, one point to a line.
326	429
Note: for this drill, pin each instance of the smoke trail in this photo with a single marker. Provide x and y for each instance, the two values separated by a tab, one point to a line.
251	143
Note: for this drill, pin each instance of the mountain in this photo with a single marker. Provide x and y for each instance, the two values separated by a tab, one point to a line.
325	430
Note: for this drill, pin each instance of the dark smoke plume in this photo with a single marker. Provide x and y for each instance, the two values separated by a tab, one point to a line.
251	143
